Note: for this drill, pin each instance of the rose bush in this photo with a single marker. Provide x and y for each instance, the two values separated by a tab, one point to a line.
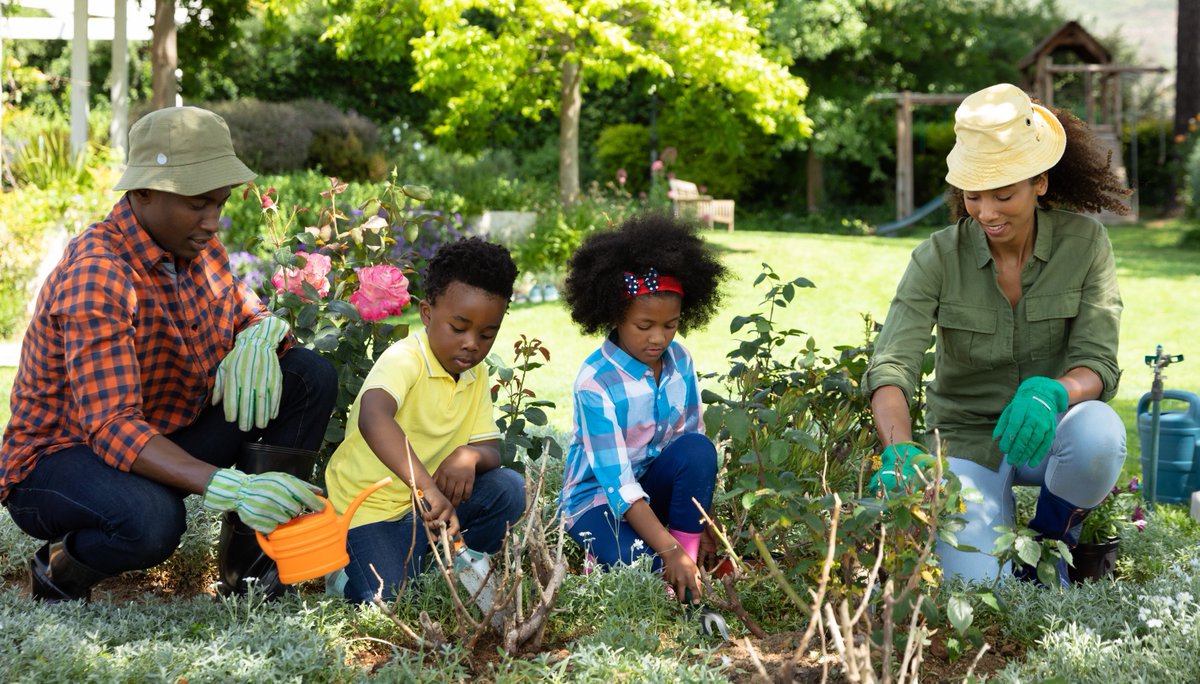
341	275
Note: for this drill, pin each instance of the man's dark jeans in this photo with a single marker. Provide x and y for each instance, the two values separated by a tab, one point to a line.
121	521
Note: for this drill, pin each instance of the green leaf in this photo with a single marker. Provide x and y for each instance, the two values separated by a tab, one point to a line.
326	343
989	599
960	613
344	309
284	257
535	416
1004	542
738	424
1047	573
777	452
418	192
1028	550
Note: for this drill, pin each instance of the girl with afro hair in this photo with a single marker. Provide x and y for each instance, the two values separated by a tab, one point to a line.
639	460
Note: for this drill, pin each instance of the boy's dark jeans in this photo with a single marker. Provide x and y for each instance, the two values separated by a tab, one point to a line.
120	521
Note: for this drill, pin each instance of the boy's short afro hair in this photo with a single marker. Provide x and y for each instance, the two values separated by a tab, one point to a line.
473	261
594	288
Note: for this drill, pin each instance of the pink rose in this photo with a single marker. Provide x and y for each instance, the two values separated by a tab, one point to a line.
316	268
382	292
656	166
622	176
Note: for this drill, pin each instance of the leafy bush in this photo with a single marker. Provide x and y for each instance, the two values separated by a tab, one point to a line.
243	218
1160	161
625	146
344	143
270	137
487	180
29	218
559	230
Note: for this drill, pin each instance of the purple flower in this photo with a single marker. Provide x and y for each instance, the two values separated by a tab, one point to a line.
224	222
1134	485
1139	518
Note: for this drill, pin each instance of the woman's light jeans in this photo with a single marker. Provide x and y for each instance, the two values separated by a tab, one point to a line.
1084	462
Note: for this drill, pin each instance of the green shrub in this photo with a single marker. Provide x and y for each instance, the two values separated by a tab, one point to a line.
559	231
344	143
625	146
1193	180
487	180
270	137
1159	162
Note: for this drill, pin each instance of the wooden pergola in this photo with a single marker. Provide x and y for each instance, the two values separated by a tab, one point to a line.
80	21
905	101
1103	99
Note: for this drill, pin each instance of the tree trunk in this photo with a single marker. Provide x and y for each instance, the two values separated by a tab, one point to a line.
1187	89
568	132
1187	65
163	55
816	180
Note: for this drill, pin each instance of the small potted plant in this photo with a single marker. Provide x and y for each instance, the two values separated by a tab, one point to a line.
1095	556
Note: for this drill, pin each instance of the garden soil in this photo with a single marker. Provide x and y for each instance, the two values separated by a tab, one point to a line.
745	658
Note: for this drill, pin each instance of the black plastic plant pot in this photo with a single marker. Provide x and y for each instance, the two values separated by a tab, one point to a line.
1093	561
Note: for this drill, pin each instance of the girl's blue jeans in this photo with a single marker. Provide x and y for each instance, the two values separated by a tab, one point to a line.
120	521
1084	461
396	549
685	470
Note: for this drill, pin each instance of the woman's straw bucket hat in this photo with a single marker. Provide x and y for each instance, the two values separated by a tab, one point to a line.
184	150
1002	137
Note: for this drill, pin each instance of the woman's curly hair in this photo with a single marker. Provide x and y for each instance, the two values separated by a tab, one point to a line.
473	261
1083	180
594	288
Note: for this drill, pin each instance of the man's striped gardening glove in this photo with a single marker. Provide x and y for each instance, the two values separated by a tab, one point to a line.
249	379
262	501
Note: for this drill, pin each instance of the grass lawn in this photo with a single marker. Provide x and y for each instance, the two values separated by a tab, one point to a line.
856	276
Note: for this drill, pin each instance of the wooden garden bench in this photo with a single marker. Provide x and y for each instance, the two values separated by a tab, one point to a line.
686	200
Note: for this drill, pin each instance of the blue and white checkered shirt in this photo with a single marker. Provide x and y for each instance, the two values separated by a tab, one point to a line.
623	421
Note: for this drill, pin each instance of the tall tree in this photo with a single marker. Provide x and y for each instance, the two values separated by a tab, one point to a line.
164	58
482	59
1187	65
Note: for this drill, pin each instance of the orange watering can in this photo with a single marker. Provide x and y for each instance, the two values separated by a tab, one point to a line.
313	544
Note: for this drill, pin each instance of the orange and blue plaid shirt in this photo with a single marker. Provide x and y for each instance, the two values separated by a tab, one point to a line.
123	346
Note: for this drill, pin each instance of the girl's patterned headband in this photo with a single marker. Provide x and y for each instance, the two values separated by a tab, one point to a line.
651	282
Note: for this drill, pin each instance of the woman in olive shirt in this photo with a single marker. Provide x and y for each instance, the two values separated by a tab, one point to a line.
1027	309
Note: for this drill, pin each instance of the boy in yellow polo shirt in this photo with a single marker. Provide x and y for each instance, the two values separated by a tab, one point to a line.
424	417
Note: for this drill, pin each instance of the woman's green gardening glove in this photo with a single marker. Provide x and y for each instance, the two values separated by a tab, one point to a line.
909	456
249	378
263	501
1027	425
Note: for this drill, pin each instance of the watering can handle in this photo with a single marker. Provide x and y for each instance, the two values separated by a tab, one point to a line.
1192	400
348	514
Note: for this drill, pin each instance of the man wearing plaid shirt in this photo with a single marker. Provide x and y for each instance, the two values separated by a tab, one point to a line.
150	372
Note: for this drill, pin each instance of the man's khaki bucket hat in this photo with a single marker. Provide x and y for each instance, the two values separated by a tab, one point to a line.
1002	137
184	150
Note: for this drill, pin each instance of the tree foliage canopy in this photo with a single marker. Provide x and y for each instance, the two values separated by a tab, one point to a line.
482	59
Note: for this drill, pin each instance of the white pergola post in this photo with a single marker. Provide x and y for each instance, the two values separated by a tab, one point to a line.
118	130
79	78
